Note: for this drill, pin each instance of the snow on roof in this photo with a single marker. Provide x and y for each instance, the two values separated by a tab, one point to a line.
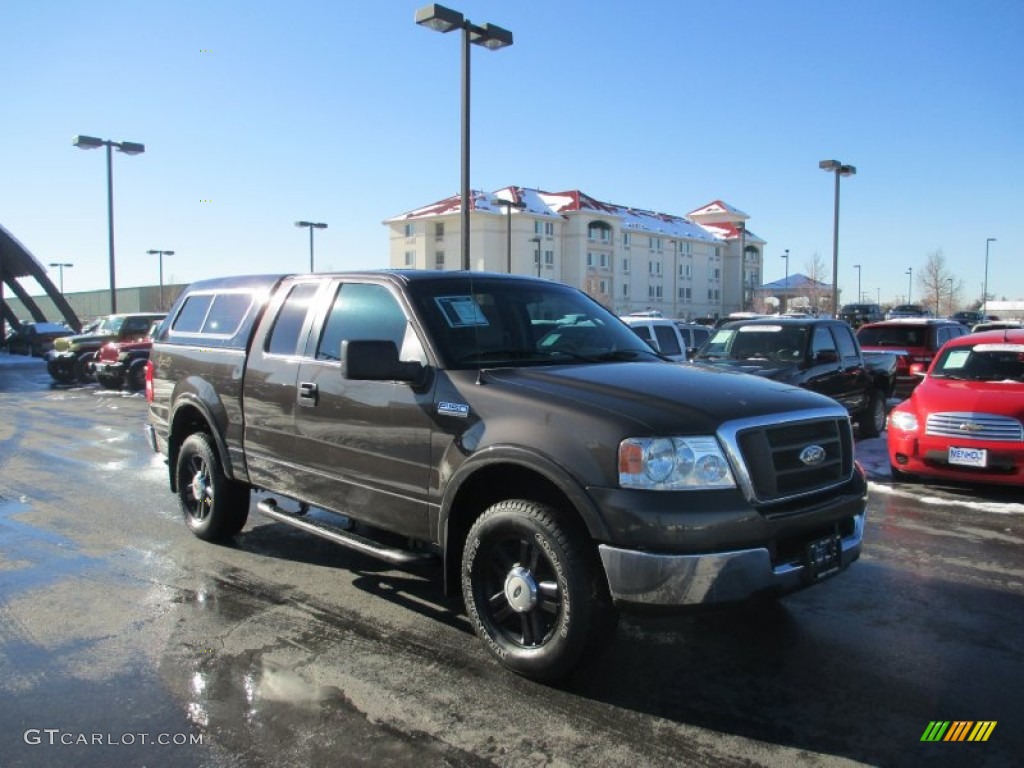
559	204
717	207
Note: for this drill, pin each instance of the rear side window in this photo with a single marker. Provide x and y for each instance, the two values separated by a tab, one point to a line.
213	314
668	342
193	312
226	314
844	339
643	332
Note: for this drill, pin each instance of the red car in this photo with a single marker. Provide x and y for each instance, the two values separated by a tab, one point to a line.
914	340
965	420
121	363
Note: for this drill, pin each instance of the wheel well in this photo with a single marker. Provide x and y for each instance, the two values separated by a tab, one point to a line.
488	486
187	421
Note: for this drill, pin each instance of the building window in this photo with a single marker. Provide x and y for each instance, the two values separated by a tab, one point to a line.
625	290
625	238
410	258
716	273
685	294
590	259
603	287
410	229
438	229
549	228
654	291
654	267
549	258
537	228
604	259
625	266
438	259
598	230
713	294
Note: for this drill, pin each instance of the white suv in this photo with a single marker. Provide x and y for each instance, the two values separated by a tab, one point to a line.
663	335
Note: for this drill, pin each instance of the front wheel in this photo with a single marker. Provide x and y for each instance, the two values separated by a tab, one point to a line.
215	507
534	590
83	374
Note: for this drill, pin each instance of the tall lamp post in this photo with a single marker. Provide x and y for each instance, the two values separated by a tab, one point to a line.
910	282
785	297
509	205
950	281
161	254
834	166
859	297
538	240
441	19
60	266
128	148
984	290
312	225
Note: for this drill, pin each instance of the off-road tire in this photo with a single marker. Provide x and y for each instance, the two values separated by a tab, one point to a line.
534	590
872	421
215	507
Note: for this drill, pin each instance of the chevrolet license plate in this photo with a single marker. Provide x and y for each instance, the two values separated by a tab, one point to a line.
968	457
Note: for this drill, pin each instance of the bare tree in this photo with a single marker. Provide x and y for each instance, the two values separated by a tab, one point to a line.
817	273
938	283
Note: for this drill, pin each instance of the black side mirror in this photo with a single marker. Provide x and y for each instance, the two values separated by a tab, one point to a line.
376	361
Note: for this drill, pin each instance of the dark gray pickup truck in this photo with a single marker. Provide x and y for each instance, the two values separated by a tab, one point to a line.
509	428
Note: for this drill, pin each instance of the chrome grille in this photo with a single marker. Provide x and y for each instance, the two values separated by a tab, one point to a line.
772	456
975	426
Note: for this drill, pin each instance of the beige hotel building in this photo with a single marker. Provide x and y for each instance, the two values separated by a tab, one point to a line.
704	264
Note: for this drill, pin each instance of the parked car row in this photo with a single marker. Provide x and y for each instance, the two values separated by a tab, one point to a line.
112	351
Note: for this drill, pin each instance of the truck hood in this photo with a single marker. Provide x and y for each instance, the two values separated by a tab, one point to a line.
769	369
661	397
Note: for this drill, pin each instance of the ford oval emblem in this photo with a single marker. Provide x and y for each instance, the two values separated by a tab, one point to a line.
812	455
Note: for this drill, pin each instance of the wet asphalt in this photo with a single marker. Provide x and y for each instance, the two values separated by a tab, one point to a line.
126	641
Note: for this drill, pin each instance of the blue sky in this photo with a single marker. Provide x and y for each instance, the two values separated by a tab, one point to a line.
348	113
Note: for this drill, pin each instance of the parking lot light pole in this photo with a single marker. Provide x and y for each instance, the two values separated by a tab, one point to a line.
509	205
910	282
950	281
538	240
859	297
839	169
984	290
312	225
60	266
163	307
128	148
441	19
785	297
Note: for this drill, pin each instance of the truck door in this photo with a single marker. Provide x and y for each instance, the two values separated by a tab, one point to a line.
271	376
363	447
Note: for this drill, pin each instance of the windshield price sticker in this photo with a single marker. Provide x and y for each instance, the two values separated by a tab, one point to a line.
968	457
461	311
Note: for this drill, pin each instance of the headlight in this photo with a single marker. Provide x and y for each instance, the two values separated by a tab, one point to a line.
673	464
904	420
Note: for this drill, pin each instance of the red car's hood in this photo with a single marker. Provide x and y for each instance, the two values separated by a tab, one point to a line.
950	395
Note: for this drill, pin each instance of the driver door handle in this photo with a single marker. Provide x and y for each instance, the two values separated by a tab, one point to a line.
307	394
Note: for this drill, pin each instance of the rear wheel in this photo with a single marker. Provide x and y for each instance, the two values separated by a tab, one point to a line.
534	590
215	507
108	382
136	378
82	363
872	421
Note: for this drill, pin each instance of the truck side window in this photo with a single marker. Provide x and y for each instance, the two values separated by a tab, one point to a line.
227	313
822	341
362	312
847	347
284	336
192	313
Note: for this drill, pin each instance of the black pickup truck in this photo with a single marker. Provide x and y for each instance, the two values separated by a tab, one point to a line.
817	353
510	429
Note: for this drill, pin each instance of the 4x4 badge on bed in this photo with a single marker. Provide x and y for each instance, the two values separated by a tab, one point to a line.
812	455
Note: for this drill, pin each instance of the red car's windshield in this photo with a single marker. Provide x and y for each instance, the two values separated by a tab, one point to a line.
982	362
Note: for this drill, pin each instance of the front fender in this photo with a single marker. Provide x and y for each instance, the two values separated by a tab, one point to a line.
528	460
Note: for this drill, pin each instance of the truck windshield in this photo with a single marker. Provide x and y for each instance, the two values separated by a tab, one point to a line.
487	322
757	342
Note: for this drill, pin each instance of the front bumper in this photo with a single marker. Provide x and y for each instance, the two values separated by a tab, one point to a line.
647	579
